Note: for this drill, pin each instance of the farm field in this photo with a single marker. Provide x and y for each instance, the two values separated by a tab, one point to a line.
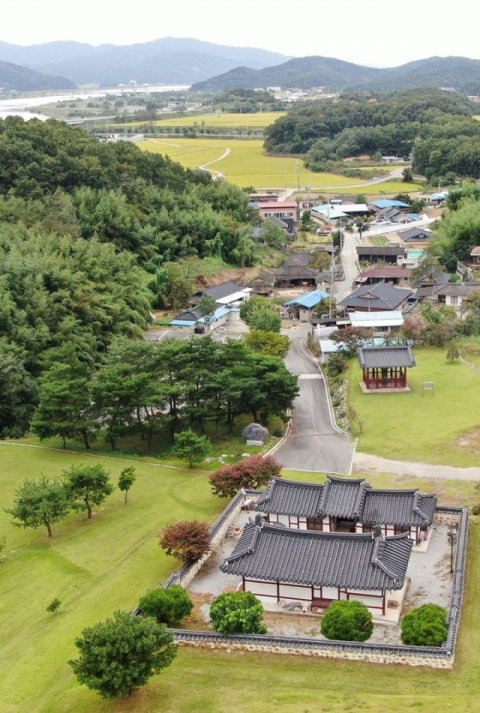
245	165
259	120
388	188
441	429
98	566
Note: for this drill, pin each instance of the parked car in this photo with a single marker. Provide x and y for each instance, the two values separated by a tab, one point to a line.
199	330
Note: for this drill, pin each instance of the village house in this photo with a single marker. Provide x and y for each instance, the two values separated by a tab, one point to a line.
226	294
302	307
280	564
453	294
341	505
415	236
375	298
287	211
262	284
475	255
389	275
388	253
385	368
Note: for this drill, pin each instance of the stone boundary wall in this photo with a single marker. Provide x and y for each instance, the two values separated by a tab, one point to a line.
432	657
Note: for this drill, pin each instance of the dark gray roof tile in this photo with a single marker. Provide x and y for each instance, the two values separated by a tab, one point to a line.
385	357
280	554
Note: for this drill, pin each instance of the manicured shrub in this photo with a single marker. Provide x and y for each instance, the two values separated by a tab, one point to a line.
253	472
237	613
425	626
168	606
187	541
347	621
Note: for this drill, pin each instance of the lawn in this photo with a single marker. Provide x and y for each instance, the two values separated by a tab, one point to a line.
245	165
260	120
106	564
416	427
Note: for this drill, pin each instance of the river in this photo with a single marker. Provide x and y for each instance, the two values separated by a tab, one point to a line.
17	106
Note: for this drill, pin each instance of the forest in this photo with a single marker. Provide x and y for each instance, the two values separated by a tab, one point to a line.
82	225
435	127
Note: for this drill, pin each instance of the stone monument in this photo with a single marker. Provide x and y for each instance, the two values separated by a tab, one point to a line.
255	434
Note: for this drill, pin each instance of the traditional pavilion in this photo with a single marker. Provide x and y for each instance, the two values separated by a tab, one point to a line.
341	505
385	368
278	564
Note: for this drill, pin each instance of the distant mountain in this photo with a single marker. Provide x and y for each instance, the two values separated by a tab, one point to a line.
333	74
12	76
304	73
169	60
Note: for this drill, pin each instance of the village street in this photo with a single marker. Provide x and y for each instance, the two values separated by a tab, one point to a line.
314	444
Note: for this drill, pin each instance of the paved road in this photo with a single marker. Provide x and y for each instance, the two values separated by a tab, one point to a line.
314	444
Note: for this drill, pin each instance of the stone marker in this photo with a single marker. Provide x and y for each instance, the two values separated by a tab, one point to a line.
255	434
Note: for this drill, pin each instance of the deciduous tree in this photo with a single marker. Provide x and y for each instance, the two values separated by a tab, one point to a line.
87	485
40	502
253	472
187	541
126	480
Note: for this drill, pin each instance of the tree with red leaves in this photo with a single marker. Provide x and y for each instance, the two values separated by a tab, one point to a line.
252	472
187	541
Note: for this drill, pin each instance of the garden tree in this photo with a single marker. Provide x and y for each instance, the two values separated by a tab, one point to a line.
452	352
65	407
207	307
18	390
337	364
325	305
253	472
237	613
274	387
356	418
350	339
272	234
54	606
306	221
171	287
320	261
126	480
425	626
187	541
362	224
245	252
266	320
87	485
121	654
40	503
189	446
347	621
473	303
428	270
268	343
407	175
361	199
168	606
254	304
412	330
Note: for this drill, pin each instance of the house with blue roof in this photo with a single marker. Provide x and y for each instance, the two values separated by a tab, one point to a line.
302	307
388	203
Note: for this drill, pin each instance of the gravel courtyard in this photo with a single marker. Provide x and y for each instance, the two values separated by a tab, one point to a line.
429	575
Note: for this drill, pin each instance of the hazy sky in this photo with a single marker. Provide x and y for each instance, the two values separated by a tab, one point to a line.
370	32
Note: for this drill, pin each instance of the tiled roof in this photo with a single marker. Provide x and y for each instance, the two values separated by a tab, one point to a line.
385	357
347	499
387	272
218	291
415	234
377	250
379	296
398	507
280	554
476	250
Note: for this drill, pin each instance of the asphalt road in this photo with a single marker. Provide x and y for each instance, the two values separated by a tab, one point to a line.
314	444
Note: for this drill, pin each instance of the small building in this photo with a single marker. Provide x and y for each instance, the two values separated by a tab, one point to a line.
380	322
227	293
415	236
296	276
382	203
287	211
192	318
388	253
385	368
262	284
301	307
348	506
326	213
389	275
279	563
453	294
393	215
375	298
475	255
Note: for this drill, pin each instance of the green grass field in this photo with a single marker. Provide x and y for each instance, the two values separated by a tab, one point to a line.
378	240
245	165
106	564
259	120
416	427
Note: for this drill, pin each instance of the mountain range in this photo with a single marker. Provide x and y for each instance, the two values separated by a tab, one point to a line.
306	72
13	76
168	60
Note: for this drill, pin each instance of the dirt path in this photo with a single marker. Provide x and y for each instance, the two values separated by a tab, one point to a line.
217	174
365	463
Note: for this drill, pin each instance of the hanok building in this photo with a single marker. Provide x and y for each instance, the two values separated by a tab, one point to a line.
278	564
385	368
388	275
375	298
353	506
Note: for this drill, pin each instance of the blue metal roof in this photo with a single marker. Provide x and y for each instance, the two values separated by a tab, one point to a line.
218	314
387	203
181	323
309	299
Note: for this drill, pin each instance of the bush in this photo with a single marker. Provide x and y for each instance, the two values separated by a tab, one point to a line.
168	606
237	613
253	472
347	621
425	626
187	541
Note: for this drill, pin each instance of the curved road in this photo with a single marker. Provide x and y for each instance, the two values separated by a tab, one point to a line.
314	443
